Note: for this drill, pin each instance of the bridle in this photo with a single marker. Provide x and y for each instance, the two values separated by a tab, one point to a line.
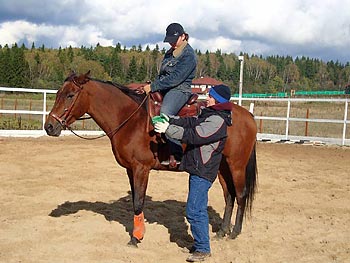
64	117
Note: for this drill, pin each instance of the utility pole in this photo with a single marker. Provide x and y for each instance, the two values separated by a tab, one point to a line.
241	59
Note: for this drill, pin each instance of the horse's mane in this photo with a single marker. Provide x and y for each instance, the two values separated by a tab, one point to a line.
127	91
134	95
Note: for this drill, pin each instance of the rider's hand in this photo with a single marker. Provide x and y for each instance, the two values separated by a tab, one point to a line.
147	88
161	127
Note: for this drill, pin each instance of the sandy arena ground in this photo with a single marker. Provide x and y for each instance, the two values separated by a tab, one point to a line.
66	200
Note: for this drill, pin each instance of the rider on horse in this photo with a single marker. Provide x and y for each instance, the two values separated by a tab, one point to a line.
176	73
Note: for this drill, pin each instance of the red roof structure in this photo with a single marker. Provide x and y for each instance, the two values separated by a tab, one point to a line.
206	81
202	84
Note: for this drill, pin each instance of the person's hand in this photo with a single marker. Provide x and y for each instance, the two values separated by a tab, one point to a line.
161	118
161	127
147	88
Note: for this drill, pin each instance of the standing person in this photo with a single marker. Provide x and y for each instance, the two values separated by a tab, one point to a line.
205	137
176	73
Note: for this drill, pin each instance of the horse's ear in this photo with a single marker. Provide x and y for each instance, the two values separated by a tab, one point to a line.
72	73
83	78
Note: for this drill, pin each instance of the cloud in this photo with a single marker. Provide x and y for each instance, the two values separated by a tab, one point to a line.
279	27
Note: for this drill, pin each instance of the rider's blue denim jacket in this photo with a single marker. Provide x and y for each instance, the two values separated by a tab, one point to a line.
176	72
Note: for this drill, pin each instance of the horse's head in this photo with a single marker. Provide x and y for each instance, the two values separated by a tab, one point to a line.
69	104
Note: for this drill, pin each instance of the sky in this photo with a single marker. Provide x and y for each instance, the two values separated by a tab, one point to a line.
312	28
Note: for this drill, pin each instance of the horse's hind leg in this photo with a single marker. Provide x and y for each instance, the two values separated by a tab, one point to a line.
225	179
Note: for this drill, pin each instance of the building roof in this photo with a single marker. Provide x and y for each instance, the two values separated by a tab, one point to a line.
206	81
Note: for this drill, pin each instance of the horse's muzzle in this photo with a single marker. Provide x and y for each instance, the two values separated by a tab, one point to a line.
52	129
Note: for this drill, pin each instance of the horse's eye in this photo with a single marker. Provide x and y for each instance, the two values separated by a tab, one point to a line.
69	96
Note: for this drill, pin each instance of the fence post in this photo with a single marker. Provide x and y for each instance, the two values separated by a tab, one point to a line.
345	121
287	121
307	123
30	108
260	124
44	111
15	108
2	105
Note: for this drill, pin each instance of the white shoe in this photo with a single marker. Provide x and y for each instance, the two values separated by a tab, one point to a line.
167	162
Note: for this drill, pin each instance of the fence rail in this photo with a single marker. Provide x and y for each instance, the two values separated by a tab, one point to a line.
287	119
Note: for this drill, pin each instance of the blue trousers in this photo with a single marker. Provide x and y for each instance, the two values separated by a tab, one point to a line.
197	212
173	101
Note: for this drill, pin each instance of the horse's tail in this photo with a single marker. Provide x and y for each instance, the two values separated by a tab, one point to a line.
251	180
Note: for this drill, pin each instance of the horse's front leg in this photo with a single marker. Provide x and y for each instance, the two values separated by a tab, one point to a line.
138	178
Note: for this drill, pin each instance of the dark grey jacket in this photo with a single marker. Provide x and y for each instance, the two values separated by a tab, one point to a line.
205	137
176	71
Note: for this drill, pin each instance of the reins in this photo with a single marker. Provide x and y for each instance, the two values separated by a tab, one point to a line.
113	132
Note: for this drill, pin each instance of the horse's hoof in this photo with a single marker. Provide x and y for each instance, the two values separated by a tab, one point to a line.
234	234
133	242
220	234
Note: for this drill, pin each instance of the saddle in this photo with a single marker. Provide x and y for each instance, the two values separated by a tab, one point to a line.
191	108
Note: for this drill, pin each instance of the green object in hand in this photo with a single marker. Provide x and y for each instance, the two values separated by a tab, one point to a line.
164	116
156	119
161	118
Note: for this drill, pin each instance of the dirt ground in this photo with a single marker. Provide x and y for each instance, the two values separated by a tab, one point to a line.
66	200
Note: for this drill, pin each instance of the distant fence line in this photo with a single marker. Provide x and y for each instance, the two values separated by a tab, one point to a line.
287	119
297	93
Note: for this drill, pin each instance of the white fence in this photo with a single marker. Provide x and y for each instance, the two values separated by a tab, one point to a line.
341	140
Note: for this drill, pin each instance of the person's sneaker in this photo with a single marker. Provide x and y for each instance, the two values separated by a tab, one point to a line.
167	162
172	162
198	256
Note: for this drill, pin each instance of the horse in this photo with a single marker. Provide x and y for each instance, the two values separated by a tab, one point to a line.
123	115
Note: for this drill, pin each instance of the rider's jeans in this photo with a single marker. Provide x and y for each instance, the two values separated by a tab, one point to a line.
173	101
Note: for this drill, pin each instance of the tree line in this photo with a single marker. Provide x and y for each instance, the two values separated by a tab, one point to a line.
46	68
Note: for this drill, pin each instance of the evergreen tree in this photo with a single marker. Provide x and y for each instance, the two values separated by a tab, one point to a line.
61	56
70	54
132	70
118	47
5	66
207	63
19	68
2	67
221	73
142	73
115	66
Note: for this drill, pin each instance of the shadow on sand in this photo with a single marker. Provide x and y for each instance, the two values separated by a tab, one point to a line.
169	213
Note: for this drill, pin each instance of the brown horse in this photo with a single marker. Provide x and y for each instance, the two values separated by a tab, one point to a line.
122	114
